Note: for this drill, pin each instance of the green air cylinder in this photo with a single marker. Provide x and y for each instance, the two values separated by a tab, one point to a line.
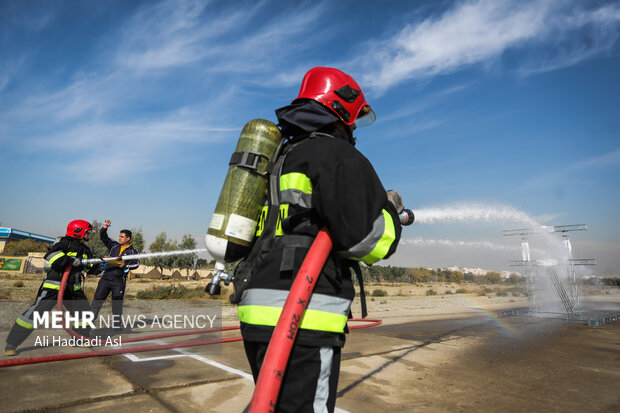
243	195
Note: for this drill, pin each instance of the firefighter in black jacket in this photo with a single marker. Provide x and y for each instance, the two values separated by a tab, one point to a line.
324	181
66	251
114	277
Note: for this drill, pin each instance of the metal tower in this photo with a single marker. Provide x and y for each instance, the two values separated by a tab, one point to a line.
570	300
573	287
530	280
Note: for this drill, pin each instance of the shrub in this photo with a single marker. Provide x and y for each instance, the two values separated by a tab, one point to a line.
430	291
448	292
379	293
173	291
502	293
462	291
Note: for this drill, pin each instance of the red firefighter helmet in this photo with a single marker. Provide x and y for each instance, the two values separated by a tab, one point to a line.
77	228
340	93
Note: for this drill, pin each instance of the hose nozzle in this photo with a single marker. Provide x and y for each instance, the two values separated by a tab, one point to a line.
219	275
406	217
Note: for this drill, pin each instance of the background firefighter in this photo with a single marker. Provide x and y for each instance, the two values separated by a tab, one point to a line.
114	277
323	181
66	251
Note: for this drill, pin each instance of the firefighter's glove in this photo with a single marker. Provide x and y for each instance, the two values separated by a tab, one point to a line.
395	199
76	262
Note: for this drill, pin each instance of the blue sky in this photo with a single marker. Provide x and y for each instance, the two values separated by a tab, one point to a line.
130	110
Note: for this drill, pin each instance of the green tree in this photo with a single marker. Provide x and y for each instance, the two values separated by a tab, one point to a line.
161	244
493	277
94	242
186	261
22	247
137	239
515	278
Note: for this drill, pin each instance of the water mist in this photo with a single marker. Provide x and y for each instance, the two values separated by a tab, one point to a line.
550	255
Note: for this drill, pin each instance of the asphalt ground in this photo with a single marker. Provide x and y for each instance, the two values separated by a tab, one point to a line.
454	362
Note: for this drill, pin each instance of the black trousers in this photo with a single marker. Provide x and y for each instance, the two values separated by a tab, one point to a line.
310	381
104	288
73	301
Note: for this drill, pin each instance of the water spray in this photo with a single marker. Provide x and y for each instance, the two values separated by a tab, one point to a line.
140	256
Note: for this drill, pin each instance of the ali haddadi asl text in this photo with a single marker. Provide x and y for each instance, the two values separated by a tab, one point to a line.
59	341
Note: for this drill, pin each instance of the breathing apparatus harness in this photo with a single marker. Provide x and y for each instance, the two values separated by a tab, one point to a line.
264	243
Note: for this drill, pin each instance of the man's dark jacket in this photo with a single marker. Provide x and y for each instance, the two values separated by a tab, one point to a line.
113	271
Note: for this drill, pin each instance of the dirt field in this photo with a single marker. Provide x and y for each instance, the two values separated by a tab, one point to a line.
432	353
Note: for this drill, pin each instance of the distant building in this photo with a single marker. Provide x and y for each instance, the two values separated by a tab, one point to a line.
12	234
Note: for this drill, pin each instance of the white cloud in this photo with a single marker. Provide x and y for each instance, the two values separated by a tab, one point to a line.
479	31
610	158
601	161
175	34
109	107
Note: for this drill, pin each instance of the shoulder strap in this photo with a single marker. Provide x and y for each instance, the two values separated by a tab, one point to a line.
360	280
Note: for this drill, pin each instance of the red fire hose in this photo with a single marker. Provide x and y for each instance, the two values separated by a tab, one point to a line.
35	360
274	364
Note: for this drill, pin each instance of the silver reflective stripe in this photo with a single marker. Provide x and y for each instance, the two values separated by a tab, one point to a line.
296	197
322	386
276	298
368	244
27	316
55	256
132	266
24	322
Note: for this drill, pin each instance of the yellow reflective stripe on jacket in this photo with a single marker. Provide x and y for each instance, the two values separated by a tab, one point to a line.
384	243
262	306
51	286
296	180
312	319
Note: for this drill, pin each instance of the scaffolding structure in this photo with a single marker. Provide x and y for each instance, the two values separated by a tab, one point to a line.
570	299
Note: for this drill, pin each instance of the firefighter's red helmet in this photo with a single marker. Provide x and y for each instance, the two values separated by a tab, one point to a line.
340	93
77	228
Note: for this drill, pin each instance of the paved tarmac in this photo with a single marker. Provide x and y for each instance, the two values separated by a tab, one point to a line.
465	362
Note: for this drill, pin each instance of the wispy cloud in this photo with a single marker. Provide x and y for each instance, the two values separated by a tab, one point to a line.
111	151
239	39
611	158
163	42
601	161
480	31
